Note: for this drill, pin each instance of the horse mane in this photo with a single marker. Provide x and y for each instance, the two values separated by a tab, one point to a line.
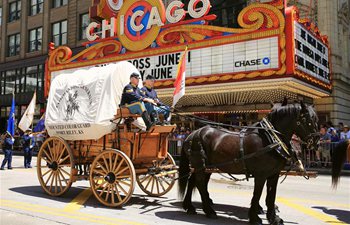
279	111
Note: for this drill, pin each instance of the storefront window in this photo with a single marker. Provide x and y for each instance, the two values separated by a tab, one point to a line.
35	39
15	11
20	81
31	78
10	81
59	33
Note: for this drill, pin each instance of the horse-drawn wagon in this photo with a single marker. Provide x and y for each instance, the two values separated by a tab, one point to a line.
91	137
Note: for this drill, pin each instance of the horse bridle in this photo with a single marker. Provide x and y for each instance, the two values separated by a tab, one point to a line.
302	119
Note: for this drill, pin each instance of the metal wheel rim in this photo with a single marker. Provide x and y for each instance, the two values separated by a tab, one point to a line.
115	192
157	186
55	166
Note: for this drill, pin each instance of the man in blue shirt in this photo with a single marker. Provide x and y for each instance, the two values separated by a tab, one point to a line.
149	92
28	144
135	101
7	148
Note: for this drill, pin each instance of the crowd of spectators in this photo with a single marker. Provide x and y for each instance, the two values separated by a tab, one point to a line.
330	136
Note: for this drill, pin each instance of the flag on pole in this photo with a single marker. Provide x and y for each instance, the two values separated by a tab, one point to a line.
11	120
41	124
27	118
180	79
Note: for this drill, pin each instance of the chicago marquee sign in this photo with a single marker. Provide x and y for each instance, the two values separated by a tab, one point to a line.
152	37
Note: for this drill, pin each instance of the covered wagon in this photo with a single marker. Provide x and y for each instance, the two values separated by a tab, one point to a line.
91	137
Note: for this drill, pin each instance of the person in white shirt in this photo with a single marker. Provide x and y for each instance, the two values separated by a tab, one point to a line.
345	135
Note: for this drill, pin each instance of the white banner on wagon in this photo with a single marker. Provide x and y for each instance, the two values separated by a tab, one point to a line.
82	101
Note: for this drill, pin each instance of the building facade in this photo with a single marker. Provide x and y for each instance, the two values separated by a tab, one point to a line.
27	27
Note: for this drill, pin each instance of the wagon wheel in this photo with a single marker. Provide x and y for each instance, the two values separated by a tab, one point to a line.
112	178
157	183
55	166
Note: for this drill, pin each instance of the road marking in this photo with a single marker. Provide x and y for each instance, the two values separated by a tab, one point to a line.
78	201
318	215
60	212
324	203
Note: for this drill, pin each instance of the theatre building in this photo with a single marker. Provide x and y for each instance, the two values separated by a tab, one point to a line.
241	56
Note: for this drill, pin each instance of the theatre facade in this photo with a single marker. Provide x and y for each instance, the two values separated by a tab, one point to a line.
232	74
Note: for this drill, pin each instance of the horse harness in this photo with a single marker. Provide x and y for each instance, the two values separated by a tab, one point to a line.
272	137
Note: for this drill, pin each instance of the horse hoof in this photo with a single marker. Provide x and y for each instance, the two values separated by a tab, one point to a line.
212	215
191	211
277	221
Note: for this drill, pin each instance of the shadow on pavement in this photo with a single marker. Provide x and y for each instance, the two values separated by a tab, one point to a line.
341	215
38	192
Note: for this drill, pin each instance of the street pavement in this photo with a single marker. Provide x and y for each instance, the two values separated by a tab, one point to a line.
300	201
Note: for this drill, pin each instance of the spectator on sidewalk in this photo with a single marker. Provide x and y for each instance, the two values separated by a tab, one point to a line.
7	148
28	144
334	136
345	135
324	149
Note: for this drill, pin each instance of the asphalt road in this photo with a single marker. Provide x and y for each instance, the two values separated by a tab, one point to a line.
306	202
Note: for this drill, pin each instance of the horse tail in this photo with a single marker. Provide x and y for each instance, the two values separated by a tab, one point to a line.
338	160
184	168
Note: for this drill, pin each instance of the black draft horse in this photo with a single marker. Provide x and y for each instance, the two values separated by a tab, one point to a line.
338	159
210	146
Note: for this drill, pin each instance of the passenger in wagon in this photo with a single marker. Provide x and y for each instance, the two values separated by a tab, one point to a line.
149	92
135	101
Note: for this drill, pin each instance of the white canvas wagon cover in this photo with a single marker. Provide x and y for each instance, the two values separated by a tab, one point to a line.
83	101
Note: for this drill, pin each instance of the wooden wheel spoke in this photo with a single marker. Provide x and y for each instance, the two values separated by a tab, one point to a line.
48	156
48	171
163	179
125	183
52	153
48	179
112	194
63	178
102	167
106	163
63	159
103	190
64	171
161	184
144	178
60	181
115	163
56	183
152	185
110	161
117	193
100	172
149	181
157	184
119	165
123	176
101	184
107	194
60	156
52	180
122	171
123	190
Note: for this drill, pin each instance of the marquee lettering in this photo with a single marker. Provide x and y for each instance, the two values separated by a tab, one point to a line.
138	22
